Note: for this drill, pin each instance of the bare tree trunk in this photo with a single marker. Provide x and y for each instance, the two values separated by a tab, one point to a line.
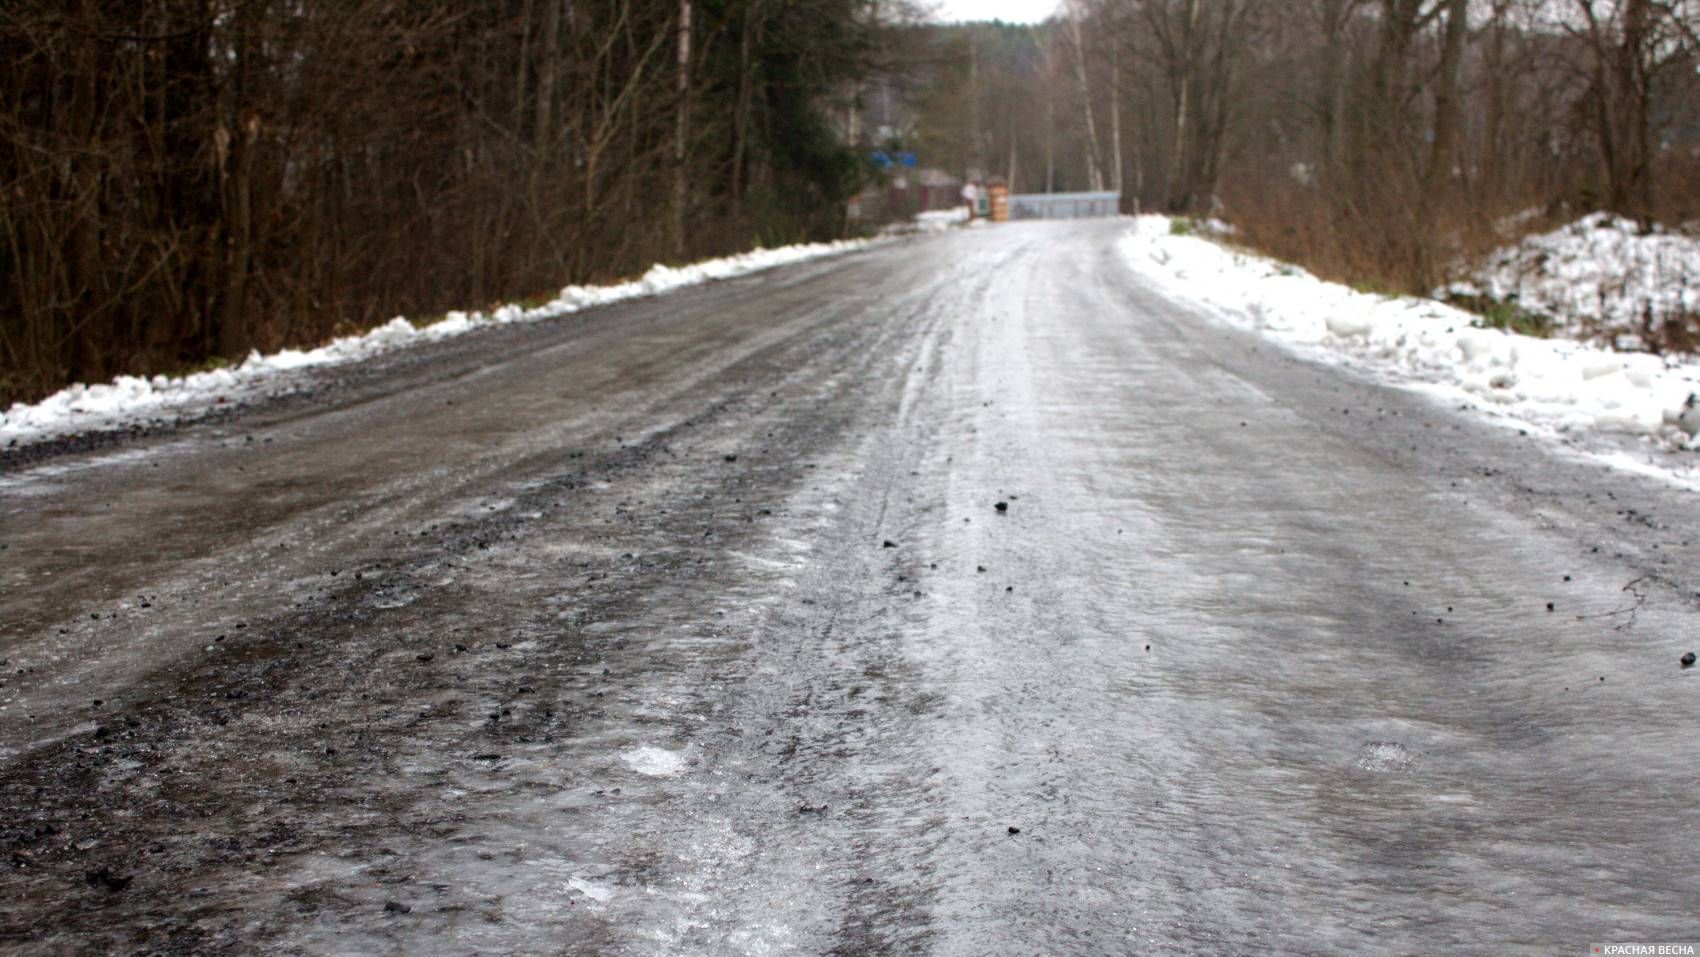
1336	67
543	134
1633	189
1014	155
237	180
1620	104
1179	194
1446	104
741	112
1116	116
1382	151
523	67
1214	108
234	335
1050	117
1491	179
682	131
976	154
1094	168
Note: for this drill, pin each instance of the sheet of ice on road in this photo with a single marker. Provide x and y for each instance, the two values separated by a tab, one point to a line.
1557	388
132	399
971	599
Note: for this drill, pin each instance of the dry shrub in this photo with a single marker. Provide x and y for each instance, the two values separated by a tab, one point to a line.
1678	195
1394	244
1374	239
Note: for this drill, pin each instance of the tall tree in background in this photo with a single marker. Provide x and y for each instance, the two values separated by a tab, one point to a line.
1088	102
1632	47
682	129
1382	138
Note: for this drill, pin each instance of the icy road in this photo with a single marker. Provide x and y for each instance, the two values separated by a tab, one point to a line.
960	596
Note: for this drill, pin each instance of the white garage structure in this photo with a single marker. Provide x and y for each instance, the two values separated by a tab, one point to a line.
1064	205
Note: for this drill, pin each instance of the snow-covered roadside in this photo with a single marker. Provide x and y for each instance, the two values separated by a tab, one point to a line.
942	219
1561	389
130	400
1602	277
932	221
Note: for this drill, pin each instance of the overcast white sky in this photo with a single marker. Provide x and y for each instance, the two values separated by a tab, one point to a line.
1014	11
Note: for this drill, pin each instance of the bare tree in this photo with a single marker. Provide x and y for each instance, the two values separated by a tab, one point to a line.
1631	45
1094	163
682	130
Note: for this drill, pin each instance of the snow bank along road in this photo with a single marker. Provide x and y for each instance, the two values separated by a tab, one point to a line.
692	626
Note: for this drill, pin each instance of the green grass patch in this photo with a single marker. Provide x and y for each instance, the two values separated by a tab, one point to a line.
179	370
1375	287
1504	314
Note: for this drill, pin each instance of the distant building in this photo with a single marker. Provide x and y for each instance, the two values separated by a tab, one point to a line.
905	193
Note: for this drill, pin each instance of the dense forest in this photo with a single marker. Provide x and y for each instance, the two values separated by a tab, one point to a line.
1374	140
187	180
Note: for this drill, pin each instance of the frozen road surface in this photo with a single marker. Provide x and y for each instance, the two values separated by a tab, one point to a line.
695	626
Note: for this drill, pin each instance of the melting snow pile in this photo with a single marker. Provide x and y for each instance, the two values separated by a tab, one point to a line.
939	220
132	399
1556	385
931	221
1601	278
